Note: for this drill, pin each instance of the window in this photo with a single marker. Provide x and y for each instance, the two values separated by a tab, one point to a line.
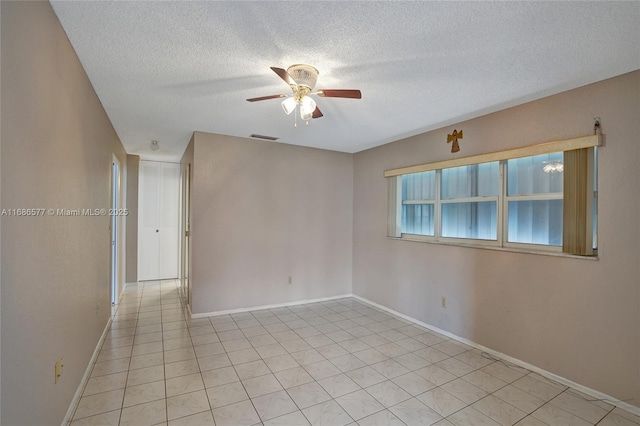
534	199
418	202
517	201
469	201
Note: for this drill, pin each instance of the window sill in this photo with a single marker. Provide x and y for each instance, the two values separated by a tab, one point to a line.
494	247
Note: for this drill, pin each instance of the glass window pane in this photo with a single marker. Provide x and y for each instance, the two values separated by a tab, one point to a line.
535	222
540	174
419	186
595	222
417	219
470	220
477	180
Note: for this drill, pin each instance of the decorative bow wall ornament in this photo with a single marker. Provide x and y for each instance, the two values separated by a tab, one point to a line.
454	138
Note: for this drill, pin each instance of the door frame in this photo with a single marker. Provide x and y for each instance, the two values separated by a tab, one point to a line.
114	227
185	258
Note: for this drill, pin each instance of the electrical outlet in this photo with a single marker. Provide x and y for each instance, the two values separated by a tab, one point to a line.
290	279
58	370
444	302
98	309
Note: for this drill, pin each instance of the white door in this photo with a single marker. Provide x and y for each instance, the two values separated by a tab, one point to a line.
158	223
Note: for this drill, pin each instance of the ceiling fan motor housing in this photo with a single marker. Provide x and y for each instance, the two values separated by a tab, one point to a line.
304	75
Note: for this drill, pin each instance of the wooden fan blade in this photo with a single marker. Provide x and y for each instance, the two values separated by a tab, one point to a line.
316	113
264	98
340	93
283	74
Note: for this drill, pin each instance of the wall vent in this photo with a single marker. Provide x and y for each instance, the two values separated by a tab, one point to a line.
267	138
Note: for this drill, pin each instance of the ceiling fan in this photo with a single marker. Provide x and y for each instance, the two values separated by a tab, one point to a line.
302	79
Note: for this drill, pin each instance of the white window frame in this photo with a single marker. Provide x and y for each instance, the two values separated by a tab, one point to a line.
505	224
501	200
438	202
461	200
530	197
434	202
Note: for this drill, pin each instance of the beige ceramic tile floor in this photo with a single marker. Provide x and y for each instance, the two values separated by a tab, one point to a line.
340	362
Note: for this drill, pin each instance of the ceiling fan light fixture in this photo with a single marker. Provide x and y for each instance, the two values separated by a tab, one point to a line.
307	106
289	105
302	79
304	75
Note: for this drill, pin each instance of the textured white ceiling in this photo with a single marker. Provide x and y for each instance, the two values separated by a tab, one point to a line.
165	69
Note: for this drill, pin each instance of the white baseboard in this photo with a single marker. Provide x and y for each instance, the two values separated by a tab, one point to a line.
591	392
85	378
257	308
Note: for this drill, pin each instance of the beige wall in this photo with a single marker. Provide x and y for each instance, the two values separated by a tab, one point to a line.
57	144
133	163
262	211
576	318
